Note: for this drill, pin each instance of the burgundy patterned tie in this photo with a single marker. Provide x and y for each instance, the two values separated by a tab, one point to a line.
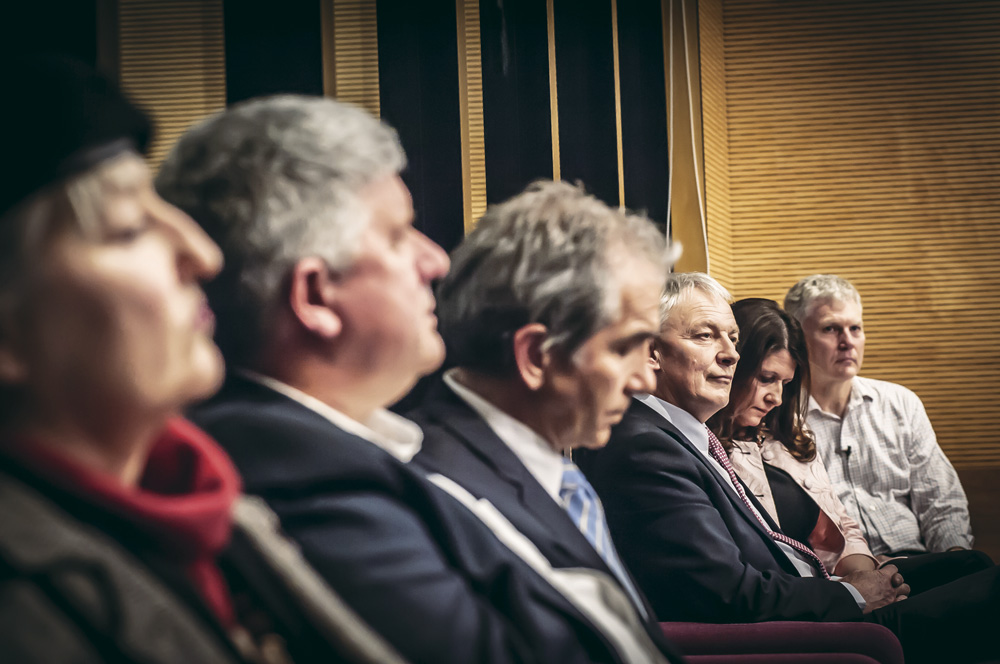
719	454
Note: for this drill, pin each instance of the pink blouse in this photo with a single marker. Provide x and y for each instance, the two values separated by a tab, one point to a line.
836	535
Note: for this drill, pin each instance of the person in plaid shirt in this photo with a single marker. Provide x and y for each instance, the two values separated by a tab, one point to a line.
874	436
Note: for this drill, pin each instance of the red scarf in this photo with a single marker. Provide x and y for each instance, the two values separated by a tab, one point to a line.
183	501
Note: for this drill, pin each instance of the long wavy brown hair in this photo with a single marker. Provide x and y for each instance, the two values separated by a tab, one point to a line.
764	329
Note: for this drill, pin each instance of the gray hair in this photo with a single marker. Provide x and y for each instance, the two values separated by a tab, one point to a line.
544	256
273	181
680	283
812	290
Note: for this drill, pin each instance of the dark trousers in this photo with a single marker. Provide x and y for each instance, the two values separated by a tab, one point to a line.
954	622
924	571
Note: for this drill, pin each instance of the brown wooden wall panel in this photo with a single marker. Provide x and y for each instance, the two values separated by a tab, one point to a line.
172	62
716	140
470	89
350	52
864	140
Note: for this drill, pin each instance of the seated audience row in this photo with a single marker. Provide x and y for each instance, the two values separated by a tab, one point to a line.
326	316
311	523
699	542
763	430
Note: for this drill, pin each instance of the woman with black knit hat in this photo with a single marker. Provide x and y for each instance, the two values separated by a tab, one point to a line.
117	534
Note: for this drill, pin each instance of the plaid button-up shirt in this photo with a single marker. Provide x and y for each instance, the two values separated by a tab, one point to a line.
894	480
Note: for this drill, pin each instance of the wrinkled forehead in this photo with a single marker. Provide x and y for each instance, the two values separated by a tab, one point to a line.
833	309
695	307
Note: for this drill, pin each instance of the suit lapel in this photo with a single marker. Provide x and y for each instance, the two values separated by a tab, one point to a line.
727	489
524	502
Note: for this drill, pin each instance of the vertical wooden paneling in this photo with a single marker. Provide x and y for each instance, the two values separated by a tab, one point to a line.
716	140
684	133
172	63
863	141
470	89
616	60
553	89
350	52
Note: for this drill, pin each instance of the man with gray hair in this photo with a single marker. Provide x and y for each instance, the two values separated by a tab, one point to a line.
547	315
326	316
874	436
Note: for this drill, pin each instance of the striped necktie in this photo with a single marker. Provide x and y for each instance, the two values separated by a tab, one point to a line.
719	454
584	507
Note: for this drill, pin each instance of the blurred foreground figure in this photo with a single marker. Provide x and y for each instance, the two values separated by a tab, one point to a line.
117	540
326	316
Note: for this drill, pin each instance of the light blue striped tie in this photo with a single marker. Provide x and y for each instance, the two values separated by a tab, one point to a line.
584	507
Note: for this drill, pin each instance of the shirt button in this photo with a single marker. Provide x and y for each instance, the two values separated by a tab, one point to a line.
767	455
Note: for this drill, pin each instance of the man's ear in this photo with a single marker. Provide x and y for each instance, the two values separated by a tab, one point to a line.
531	359
654	357
310	296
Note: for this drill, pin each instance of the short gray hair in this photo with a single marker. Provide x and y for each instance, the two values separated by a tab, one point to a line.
272	181
680	283
812	290
544	256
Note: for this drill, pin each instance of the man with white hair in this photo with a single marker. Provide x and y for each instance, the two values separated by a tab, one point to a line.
874	437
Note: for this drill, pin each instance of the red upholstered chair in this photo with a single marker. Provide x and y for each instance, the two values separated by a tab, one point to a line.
784	658
785	641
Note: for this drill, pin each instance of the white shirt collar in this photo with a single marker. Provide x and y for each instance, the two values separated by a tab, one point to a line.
395	434
696	432
685	422
543	462
860	393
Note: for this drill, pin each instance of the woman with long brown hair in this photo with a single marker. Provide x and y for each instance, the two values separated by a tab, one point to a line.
769	447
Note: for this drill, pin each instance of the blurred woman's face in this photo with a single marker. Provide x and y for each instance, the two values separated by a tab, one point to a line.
776	371
116	323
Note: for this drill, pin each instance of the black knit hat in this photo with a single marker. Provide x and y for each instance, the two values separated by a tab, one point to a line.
60	118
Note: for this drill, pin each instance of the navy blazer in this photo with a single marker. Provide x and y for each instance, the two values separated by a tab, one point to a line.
412	561
460	445
698	552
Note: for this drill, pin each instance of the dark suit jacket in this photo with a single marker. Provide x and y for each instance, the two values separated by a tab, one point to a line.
412	561
460	445
696	549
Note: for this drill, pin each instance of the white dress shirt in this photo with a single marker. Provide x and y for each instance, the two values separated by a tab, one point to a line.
543	462
395	434
895	480
697	434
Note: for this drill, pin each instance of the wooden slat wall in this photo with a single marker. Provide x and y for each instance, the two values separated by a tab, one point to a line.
685	134
350	52
863	139
172	63
716	140
470	88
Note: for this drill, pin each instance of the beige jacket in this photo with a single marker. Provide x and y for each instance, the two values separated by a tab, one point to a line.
836	535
